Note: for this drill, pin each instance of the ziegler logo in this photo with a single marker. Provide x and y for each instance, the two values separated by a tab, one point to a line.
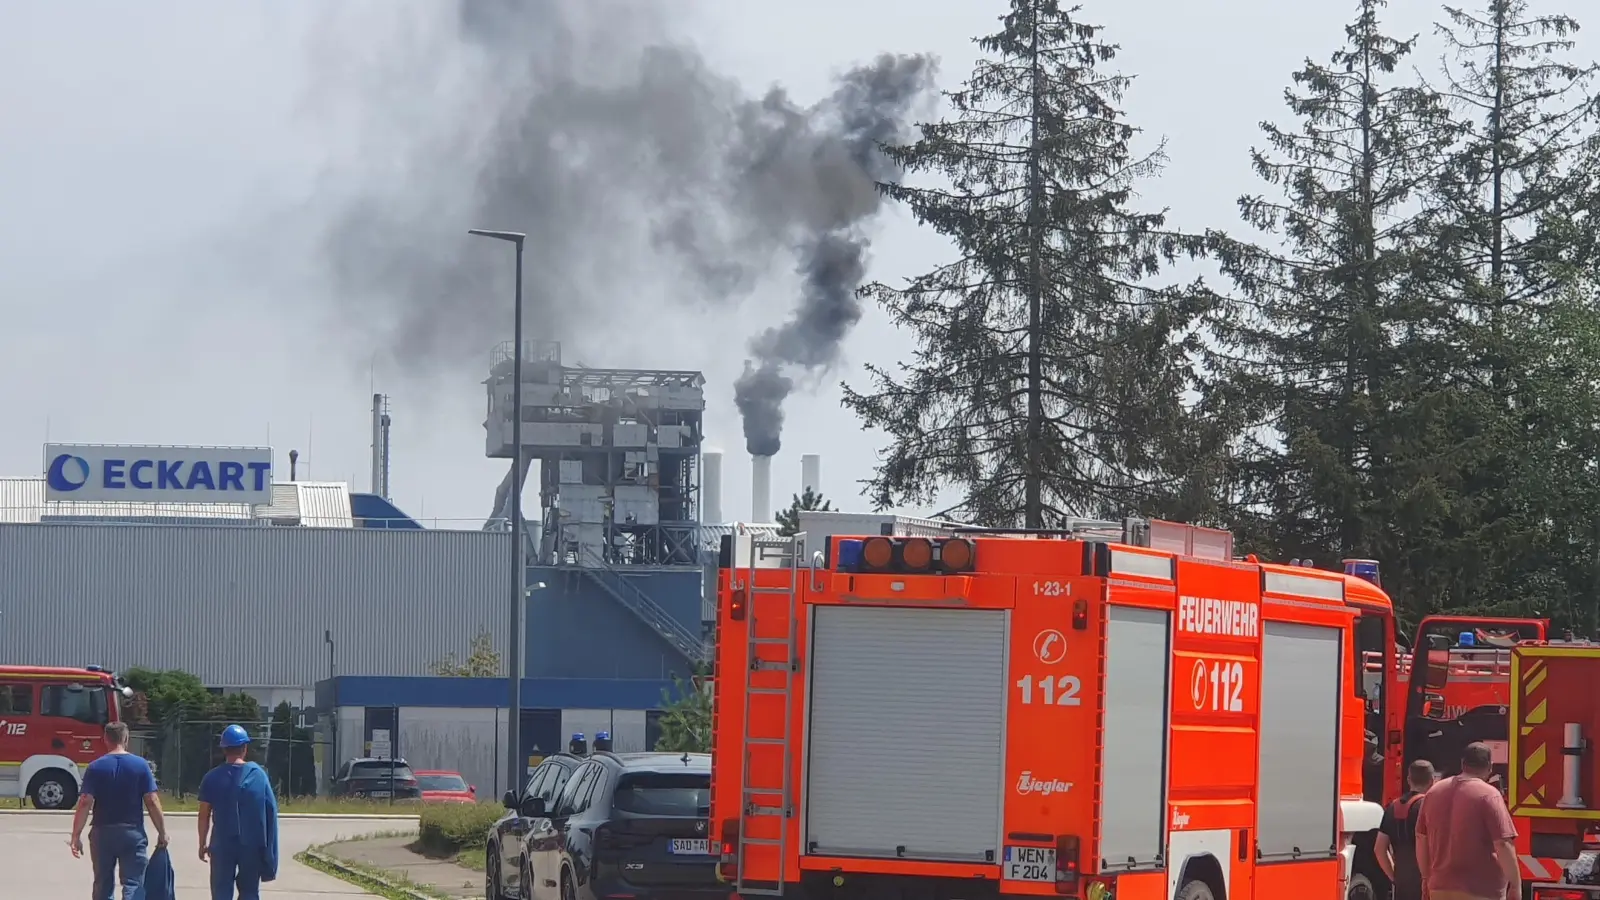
1027	784
14	729
1180	818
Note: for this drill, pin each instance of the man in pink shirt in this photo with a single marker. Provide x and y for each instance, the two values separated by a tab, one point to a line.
1465	836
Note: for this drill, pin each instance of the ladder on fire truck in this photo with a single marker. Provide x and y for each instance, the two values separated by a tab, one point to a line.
774	650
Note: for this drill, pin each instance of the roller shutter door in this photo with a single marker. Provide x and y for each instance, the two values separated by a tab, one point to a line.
1302	670
906	733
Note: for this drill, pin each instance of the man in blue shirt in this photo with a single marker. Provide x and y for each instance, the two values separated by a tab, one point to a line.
238	822
118	788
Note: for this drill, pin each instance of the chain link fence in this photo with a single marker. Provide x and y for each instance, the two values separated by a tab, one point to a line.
182	752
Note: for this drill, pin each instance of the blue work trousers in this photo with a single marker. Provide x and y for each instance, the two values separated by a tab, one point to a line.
113	848
235	866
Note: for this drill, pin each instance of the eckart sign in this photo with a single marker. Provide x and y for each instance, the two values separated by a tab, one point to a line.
113	473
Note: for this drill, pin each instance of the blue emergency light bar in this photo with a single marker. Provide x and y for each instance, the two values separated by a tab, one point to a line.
849	554
1365	569
1467	639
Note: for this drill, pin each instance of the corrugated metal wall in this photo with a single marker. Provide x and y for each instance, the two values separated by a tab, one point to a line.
575	630
247	606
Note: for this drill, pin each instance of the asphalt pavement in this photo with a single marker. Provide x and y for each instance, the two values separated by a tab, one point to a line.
35	862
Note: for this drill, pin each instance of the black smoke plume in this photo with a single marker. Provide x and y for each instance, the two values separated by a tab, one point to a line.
627	161
872	106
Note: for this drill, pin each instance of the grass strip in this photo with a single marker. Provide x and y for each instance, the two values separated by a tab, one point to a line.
384	884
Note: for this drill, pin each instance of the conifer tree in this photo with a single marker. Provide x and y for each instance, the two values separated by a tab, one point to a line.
1049	376
809	499
1514	241
1323	335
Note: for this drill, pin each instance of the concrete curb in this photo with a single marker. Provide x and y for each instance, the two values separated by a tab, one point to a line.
357	876
182	814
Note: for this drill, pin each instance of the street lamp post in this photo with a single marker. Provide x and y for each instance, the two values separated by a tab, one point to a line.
519	592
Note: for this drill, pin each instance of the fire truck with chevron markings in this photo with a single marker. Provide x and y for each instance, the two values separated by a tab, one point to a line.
1552	776
1110	710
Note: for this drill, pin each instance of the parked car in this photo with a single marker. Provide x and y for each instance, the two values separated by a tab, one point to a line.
443	786
608	825
502	869
376	779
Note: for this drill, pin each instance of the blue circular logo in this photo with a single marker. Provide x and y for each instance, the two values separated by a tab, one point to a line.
67	473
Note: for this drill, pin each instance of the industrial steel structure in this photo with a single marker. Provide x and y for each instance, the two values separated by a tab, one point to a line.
618	453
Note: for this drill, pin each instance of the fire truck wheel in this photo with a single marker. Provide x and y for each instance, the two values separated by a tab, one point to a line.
53	789
1361	887
1195	890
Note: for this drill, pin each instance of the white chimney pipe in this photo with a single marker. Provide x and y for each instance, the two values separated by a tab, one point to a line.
761	490
811	473
711	487
377	445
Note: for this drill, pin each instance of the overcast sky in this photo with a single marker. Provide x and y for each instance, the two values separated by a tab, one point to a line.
167	170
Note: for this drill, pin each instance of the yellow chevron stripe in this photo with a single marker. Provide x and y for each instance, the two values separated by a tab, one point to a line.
1527	730
1530	800
1535	677
1536	716
1534	762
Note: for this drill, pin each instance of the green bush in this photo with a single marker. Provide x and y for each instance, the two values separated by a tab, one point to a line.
448	828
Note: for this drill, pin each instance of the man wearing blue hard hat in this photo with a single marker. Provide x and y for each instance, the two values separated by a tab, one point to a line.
238	822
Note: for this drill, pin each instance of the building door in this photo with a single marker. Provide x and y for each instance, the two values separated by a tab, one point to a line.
382	732
541	735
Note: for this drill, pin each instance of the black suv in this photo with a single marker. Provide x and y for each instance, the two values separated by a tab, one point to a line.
621	824
378	779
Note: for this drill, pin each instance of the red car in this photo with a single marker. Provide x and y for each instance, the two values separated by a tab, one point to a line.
440	786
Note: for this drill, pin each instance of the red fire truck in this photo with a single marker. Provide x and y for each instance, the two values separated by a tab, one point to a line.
51	725
1460	698
1116	709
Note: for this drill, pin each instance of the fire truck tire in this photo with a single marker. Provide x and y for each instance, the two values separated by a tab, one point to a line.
53	789
1195	890
1361	887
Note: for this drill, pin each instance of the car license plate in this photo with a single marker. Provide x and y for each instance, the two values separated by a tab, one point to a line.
1030	864
377	793
691	846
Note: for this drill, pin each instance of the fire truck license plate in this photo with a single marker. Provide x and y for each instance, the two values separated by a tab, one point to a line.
1030	864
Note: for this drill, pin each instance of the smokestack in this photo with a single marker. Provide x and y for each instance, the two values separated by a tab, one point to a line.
384	427
811	473
711	487
761	490
376	476
294	457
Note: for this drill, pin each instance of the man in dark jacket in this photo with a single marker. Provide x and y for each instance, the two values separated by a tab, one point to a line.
238	822
1396	846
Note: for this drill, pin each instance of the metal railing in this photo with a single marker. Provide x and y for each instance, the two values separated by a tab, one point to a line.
1488	663
636	601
